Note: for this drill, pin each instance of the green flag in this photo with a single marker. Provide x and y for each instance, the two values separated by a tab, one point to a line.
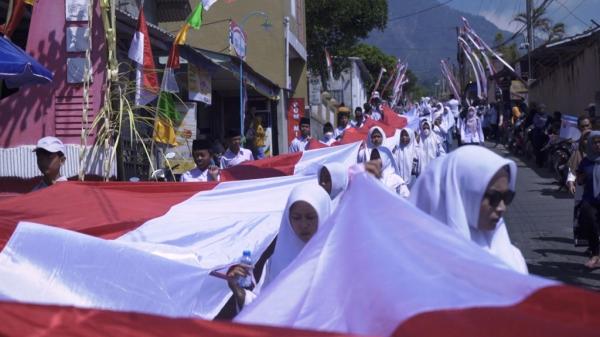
195	19
166	107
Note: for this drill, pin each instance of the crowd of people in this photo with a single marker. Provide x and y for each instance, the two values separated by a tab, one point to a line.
434	130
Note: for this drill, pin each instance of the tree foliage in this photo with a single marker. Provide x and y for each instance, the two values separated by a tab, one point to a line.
509	51
338	25
374	59
542	24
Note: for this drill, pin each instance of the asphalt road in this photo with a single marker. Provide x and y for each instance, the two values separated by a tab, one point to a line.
540	223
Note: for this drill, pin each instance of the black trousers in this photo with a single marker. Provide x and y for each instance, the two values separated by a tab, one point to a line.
589	217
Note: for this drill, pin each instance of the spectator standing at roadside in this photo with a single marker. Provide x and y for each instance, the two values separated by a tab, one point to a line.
50	155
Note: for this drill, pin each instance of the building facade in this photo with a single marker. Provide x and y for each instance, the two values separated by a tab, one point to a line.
566	73
276	49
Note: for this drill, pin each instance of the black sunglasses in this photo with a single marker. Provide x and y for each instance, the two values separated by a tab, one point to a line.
495	197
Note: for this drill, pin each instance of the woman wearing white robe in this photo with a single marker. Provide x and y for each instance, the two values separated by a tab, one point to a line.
365	153
456	189
288	244
406	155
333	177
471	131
389	171
430	145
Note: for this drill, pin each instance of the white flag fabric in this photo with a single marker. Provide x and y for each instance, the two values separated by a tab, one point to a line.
160	268
381	262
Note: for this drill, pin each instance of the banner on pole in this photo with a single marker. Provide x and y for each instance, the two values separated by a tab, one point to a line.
295	112
199	85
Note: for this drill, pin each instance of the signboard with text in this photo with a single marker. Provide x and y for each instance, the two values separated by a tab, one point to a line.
295	112
237	40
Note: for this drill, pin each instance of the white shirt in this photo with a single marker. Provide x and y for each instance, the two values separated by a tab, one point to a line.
327	141
453	104
231	159
298	144
196	175
376	115
339	131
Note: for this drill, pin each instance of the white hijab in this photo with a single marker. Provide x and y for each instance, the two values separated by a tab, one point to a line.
451	190
288	244
370	146
405	155
429	148
339	178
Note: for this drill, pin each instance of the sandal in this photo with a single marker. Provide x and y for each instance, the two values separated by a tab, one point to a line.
593	262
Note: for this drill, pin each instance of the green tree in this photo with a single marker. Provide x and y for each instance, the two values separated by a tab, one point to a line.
509	51
338	25
374	59
542	24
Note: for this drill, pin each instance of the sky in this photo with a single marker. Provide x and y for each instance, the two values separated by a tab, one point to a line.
576	14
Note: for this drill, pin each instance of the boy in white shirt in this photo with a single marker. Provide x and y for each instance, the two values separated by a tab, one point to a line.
205	169
235	153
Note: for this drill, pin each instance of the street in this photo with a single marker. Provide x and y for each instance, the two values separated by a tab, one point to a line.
540	224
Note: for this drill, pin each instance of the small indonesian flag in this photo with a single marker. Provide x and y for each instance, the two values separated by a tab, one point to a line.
140	52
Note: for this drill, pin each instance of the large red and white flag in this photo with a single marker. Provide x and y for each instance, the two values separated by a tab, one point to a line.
140	52
165	237
385	268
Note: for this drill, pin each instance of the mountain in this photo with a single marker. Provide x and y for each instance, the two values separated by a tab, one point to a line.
426	38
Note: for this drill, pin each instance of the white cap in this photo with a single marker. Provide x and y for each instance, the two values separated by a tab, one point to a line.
50	144
375	94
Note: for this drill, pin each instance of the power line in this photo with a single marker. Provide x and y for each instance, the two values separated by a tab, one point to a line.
571	12
420	11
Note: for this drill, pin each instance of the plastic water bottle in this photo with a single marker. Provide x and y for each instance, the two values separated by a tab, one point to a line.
246	282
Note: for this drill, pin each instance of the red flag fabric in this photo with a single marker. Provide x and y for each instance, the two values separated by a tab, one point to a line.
391	118
49	320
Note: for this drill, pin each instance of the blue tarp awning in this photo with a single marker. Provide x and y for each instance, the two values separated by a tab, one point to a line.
17	68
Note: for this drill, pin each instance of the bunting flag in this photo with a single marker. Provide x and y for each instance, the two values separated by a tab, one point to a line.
449	76
140	52
466	50
167	115
165	238
479	41
401	273
329	63
381	71
393	76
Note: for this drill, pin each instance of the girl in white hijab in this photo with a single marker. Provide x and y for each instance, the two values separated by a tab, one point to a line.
307	208
407	155
469	190
440	128
389	171
471	131
430	146
375	138
333	177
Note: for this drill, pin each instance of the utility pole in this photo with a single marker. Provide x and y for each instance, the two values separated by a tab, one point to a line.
530	40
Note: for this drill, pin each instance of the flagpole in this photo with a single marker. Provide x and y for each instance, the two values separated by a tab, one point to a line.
242	98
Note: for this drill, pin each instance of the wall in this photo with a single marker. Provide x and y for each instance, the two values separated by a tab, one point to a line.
572	86
53	109
266	49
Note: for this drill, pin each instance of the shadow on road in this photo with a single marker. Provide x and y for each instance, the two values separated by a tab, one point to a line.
568	272
555	239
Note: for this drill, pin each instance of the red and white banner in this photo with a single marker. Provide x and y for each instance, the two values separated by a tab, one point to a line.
381	268
140	51
385	268
295	112
167	238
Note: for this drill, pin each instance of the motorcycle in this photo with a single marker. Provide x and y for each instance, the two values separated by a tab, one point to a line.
558	155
